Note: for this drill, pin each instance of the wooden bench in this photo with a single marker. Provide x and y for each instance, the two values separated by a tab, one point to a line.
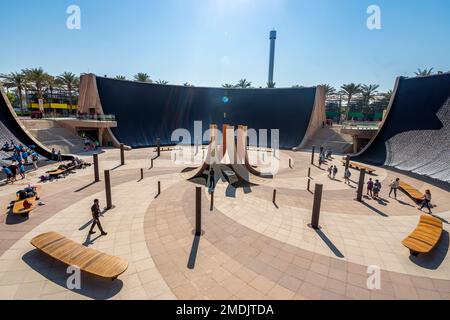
415	194
18	208
57	172
359	167
74	254
425	237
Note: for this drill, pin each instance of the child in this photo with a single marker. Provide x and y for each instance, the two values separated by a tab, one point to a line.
347	176
376	189
370	188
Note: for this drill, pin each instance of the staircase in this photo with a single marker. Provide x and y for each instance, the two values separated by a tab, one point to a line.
53	135
330	137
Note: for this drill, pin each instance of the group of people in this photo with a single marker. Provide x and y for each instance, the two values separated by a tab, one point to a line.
28	192
325	155
56	156
374	188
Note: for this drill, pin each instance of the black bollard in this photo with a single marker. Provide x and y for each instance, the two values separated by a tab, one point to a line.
158	147
96	172
290	163
309	185
312	155
362	178
109	204
316	207
309	172
212	201
198	211
142	174
151	165
122	154
159	188
274	199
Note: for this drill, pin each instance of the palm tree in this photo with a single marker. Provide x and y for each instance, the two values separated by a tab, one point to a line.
388	95
423	73
244	84
271	85
70	81
53	83
329	90
18	81
162	82
228	86
187	84
120	78
142	77
38	78
368	92
350	90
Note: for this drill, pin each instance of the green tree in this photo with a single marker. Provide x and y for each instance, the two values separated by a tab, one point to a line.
38	78
329	90
142	77
350	90
18	81
424	72
12	98
388	95
70	81
243	84
120	78
162	82
228	86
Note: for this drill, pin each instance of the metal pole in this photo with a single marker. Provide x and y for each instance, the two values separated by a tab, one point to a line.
158	147
142	174
316	207
198	211
309	185
109	204
312	155
212	201
274	200
309	172
151	166
362	178
159	188
96	172
122	154
290	163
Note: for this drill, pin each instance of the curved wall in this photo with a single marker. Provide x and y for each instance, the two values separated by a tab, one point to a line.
146	112
11	122
415	135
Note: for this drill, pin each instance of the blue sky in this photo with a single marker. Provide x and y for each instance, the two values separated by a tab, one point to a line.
211	42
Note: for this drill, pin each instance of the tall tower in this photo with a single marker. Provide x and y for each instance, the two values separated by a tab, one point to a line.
273	37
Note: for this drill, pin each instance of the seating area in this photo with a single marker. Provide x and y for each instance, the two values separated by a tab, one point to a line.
412	192
21	207
71	253
425	237
358	166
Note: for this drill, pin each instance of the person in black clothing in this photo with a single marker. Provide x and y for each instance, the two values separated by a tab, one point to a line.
212	181
95	209
13	169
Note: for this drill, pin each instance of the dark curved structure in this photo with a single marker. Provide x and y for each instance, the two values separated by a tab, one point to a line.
11	128
415	135
146	112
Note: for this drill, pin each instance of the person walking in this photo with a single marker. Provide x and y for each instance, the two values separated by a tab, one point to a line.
95	209
376	189
370	188
53	154
426	201
9	175
22	170
59	156
212	181
35	158
347	175
330	171
394	187
335	171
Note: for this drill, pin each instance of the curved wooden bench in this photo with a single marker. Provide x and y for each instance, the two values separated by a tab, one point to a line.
411	191
18	208
425	237
359	167
74	254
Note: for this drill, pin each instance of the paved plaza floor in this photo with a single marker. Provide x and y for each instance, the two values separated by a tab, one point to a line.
251	248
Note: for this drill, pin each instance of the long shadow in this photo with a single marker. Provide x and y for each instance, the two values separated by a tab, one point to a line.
315	165
442	219
12	219
87	224
375	209
85	187
329	243
231	191
116	167
405	203
434	259
193	254
90	241
92	287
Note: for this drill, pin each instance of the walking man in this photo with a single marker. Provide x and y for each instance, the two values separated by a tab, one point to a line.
212	181
335	171
370	188
394	186
95	209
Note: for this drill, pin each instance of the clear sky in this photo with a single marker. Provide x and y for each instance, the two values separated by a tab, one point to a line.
212	42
